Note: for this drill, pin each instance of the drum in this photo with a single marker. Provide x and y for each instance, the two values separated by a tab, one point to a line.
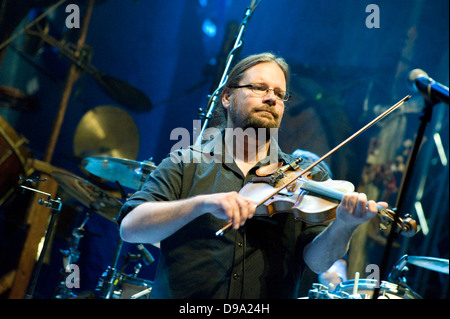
130	286
116	285
366	288
13	160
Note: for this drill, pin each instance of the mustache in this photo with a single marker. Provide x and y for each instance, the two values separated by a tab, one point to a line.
268	109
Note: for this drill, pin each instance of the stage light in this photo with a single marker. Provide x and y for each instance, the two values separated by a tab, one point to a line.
422	220
209	28
440	148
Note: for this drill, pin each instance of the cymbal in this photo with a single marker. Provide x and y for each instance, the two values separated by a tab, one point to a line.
122	92
106	131
431	263
128	173
88	194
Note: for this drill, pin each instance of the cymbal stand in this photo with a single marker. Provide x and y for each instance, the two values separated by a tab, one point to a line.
70	257
105	287
110	278
55	206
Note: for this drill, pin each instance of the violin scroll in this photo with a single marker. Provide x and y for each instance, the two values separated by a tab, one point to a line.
406	227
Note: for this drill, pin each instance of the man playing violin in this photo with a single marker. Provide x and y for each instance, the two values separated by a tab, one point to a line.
185	202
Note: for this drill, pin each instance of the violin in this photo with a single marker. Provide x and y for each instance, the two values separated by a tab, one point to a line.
310	201
288	188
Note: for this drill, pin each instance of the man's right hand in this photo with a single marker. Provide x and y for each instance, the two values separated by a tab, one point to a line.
232	206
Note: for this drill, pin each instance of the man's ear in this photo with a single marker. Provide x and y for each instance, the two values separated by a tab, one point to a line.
226	94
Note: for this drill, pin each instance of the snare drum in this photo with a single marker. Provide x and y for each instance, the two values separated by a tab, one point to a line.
366	288
13	160
115	285
129	286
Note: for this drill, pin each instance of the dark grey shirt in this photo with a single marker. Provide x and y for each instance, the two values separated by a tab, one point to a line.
263	259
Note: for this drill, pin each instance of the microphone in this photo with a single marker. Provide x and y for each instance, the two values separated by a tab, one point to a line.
397	272
429	88
146	256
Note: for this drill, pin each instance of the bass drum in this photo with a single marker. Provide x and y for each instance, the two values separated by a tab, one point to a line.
14	159
366	288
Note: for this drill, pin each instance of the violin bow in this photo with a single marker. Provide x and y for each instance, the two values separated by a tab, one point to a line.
290	180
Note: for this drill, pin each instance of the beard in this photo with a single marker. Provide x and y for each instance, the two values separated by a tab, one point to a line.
257	121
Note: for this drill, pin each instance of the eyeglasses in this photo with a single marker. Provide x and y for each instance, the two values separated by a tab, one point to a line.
263	90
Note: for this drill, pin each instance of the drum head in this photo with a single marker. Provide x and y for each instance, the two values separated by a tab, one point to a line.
388	290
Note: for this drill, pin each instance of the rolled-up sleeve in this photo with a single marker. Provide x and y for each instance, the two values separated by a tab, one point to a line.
163	184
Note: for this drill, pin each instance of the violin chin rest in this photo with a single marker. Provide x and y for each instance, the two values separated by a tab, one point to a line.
268	169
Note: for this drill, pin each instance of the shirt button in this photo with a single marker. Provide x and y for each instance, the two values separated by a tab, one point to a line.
235	276
240	244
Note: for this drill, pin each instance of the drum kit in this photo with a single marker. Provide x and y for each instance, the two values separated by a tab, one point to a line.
114	283
16	161
369	288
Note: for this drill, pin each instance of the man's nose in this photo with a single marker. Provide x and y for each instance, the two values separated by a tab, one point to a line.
270	98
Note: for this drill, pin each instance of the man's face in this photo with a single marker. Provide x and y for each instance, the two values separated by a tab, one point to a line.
247	109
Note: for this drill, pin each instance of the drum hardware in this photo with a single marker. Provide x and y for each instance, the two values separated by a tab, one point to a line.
320	291
98	201
70	256
55	205
398	272
431	263
363	289
110	278
142	293
388	290
146	256
115	284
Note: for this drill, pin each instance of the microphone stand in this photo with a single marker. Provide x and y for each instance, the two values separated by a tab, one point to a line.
213	98
425	118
